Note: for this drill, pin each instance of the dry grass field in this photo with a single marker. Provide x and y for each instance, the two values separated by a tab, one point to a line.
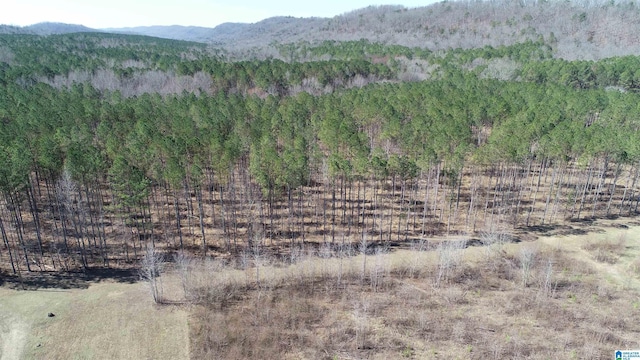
106	320
557	297
565	293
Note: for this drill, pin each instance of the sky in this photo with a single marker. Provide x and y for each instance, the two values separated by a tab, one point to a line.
208	13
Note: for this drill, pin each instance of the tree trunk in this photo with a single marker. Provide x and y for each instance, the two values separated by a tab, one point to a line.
523	176
596	197
7	246
633	184
189	203
201	218
472	200
558	192
584	191
496	190
459	187
33	207
425	206
437	186
333	212
105	248
391	202
612	188
178	222
234	216
551	186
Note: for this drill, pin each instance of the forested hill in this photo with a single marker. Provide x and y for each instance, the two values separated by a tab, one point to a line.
584	29
578	29
45	28
50	28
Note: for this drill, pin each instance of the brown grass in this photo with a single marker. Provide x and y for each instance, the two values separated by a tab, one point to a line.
481	310
607	250
105	321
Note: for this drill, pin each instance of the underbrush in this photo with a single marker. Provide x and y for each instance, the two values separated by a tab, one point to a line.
433	301
607	250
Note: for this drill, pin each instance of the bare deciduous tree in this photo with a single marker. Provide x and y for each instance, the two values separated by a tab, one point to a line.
72	208
363	250
449	257
185	264
494	242
151	267
527	258
547	285
361	320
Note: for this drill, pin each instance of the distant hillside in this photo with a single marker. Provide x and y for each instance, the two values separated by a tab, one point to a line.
232	34
585	29
176	32
578	30
50	28
8	29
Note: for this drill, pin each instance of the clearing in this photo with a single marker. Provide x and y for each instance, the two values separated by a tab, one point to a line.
107	320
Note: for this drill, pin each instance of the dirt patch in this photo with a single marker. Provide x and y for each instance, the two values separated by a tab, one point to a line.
13	337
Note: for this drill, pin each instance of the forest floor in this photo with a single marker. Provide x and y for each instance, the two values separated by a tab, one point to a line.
328	306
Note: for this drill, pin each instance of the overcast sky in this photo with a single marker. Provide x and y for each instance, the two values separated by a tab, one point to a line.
209	13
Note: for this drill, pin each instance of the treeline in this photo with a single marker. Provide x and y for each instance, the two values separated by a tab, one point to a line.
620	72
361	49
33	55
278	76
137	64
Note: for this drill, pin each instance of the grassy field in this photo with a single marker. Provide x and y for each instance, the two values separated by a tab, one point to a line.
107	320
561	293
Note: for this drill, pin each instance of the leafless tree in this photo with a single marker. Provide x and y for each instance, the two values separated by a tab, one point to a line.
494	242
151	267
363	250
184	265
361	319
379	270
547	285
72	208
415	261
527	258
449	257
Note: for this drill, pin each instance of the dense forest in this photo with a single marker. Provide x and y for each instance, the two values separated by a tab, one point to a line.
111	142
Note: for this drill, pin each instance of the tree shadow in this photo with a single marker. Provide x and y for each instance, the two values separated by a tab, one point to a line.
67	280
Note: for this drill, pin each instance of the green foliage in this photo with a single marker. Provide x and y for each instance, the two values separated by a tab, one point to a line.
618	72
525	52
559	110
60	54
129	183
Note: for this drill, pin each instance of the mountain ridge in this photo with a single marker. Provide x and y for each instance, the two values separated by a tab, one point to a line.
578	30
